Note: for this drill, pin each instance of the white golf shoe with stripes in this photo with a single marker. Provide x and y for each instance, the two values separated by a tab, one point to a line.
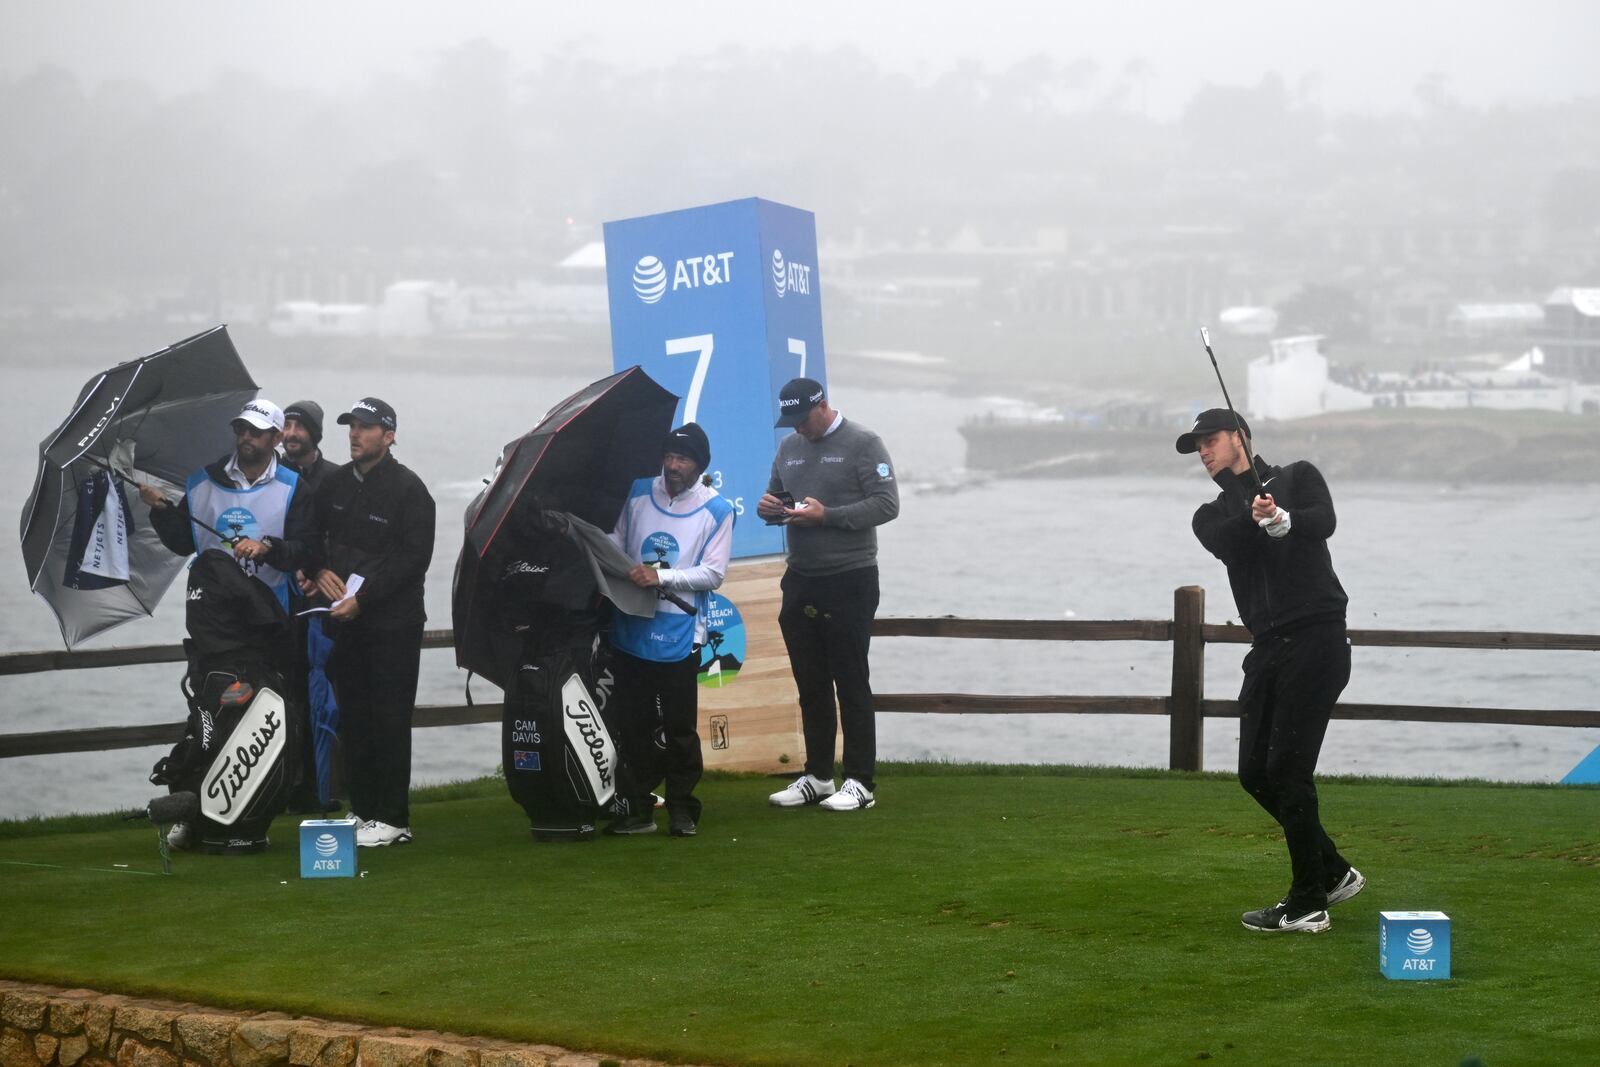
852	796
806	789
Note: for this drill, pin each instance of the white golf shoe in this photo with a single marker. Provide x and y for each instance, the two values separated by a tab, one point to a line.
373	834
806	789
852	796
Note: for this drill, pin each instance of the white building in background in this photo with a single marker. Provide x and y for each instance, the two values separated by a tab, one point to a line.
1248	321
570	294
1294	381
1291	382
307	318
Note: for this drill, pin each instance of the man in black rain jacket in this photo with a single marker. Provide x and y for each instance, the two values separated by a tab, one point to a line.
1273	538
377	521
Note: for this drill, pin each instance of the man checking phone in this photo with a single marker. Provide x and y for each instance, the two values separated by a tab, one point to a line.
832	484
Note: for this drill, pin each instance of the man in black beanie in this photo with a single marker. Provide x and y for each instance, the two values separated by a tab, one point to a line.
302	443
302	451
679	532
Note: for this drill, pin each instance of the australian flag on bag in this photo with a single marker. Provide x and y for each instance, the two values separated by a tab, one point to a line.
98	555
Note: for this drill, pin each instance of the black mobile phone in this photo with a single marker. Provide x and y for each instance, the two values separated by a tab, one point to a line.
785	498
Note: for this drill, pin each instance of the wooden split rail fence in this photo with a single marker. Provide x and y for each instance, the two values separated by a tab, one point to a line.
1186	705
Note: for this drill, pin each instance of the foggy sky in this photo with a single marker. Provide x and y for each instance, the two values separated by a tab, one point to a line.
1360	55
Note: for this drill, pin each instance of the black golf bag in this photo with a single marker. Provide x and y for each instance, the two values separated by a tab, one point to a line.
241	742
560	761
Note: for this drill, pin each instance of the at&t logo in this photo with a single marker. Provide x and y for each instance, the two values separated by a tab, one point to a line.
650	274
790	277
649	279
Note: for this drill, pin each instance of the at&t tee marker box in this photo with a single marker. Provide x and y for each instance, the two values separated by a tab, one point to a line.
1414	944
328	848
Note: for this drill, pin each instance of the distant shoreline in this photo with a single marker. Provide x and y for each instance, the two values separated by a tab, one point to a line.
1468	445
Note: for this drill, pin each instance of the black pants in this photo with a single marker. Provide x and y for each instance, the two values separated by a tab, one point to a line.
1290	686
657	704
374	674
827	627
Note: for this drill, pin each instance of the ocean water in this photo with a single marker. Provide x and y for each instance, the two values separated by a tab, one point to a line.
1411	557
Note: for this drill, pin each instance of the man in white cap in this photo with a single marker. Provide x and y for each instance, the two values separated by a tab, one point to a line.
245	502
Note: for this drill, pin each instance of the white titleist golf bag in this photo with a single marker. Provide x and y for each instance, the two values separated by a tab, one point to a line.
238	747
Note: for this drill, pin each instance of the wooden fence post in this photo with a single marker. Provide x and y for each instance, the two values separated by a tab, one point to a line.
1188	726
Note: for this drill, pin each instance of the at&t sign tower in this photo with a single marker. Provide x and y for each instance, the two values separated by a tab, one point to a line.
720	305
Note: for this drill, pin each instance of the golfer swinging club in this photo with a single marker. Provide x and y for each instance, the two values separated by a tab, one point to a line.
1274	542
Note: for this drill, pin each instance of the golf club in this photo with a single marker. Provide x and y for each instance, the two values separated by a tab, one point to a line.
1205	339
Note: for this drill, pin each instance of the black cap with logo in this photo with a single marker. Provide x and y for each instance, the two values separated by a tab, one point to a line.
369	411
1209	422
796	399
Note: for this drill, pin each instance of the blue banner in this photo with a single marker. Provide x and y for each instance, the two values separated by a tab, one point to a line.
720	305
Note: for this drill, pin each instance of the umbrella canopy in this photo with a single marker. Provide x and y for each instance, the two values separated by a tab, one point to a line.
582	459
158	417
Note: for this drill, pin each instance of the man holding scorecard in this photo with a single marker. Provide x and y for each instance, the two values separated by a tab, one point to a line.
376	521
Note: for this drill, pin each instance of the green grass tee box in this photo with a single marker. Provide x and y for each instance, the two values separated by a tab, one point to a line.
976	915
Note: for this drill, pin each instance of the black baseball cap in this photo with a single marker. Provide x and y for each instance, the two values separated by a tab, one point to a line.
1208	422
796	399
369	411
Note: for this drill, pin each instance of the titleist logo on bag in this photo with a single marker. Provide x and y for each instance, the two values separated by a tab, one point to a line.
246	760
589	739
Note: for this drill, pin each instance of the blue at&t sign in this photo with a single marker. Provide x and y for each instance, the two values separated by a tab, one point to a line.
719	304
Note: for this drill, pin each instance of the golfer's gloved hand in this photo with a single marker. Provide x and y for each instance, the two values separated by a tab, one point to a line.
1277	525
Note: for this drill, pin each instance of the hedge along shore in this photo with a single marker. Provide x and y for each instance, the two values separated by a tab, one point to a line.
47	1026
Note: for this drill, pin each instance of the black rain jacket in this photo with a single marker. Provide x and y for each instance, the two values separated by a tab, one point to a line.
1279	584
379	526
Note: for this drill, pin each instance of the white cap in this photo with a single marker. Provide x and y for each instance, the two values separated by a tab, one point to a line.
262	414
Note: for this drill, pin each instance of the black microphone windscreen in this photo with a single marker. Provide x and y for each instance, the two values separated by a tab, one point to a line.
177	807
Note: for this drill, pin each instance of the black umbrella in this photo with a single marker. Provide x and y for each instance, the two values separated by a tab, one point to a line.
582	458
161	416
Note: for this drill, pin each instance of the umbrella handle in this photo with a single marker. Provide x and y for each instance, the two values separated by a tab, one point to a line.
673	598
109	469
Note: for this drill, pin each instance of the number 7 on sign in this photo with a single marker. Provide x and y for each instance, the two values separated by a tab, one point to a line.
701	343
797	347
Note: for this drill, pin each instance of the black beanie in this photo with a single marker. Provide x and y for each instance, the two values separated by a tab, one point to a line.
689	440
307	413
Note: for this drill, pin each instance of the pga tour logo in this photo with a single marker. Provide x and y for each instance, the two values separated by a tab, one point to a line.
692	272
789	277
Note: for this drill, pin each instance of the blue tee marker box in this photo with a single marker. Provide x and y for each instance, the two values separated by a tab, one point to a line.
1414	945
328	848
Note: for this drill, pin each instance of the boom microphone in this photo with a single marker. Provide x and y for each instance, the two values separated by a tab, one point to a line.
175	807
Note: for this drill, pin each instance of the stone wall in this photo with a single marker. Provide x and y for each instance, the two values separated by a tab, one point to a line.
46	1026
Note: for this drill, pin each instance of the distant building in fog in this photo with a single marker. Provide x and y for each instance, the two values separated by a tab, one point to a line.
1294	380
1570	336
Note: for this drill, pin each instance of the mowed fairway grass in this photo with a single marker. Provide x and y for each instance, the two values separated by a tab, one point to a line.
975	916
